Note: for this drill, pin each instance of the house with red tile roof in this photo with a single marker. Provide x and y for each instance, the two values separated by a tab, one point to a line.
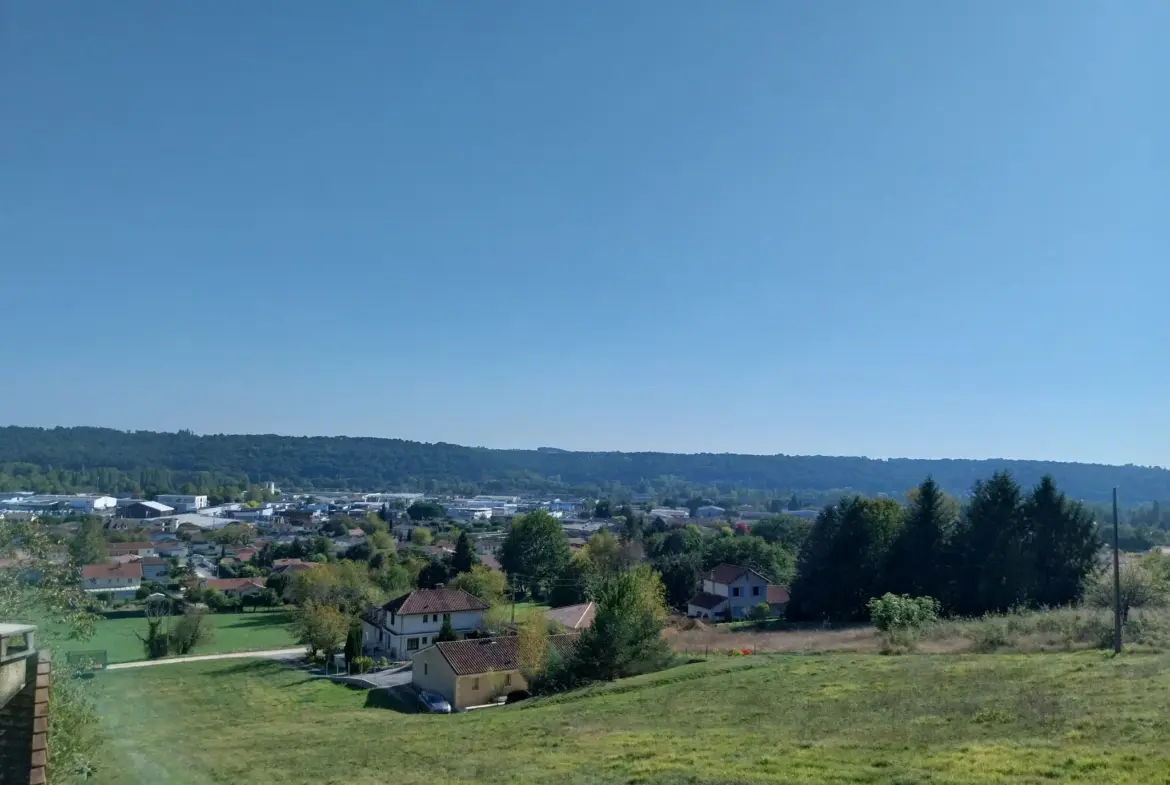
731	590
118	579
411	622
234	587
478	671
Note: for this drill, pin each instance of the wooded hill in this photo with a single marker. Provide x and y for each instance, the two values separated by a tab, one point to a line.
83	456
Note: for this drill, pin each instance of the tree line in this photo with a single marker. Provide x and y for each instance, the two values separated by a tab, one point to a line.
1003	549
345	462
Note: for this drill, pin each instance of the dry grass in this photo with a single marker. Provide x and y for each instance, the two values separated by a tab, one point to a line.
1065	629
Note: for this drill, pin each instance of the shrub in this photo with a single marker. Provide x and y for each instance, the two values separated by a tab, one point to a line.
363	664
892	612
761	611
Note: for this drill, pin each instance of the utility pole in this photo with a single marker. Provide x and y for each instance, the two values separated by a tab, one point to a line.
1116	583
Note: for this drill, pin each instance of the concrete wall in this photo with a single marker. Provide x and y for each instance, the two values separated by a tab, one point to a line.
24	719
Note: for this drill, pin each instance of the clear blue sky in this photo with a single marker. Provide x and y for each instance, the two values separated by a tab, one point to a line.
889	229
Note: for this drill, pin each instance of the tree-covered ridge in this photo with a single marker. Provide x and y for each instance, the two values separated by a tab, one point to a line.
108	459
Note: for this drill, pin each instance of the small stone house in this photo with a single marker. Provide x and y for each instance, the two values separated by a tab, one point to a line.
478	671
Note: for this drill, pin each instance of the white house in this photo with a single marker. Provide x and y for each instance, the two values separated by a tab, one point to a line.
118	579
411	622
183	502
728	588
155	568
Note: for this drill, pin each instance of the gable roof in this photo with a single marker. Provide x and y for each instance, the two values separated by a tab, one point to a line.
706	600
131	569
130	546
232	584
729	573
573	617
483	655
153	561
435	601
777	594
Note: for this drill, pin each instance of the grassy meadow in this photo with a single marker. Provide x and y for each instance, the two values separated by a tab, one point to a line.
861	718
232	632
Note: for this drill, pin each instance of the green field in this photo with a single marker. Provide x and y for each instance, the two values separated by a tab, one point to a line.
777	719
233	632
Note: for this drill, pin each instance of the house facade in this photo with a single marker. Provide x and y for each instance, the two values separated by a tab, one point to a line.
155	568
411	622
729	589
477	671
120	580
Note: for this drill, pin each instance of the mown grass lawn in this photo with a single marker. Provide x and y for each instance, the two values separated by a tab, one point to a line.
232	632
767	719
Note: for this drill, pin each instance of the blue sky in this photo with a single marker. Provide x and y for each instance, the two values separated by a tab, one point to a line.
888	229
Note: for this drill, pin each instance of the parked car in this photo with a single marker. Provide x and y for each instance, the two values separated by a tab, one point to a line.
433	703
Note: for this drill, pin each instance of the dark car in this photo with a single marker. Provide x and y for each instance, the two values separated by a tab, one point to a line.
433	703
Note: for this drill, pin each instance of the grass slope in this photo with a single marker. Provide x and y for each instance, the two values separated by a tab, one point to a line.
778	719
233	632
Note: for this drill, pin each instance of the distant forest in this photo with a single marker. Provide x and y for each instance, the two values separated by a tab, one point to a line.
69	459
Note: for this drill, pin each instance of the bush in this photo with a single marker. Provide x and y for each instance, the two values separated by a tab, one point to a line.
894	612
761	611
363	664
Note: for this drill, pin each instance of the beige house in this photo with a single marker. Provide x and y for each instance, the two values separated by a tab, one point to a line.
476	671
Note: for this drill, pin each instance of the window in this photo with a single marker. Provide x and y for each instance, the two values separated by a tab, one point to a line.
755	591
425	666
424	640
446	617
475	683
507	680
412	644
735	591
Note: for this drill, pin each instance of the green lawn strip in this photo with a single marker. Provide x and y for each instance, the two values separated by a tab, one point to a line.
767	719
232	632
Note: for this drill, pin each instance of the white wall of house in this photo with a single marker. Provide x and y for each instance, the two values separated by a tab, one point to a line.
745	593
155	572
408	634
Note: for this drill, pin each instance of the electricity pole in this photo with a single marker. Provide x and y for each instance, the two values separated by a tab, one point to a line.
1116	583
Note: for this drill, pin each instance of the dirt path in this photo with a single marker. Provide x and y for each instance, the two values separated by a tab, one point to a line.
269	654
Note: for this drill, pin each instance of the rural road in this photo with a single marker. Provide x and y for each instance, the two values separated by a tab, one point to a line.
268	654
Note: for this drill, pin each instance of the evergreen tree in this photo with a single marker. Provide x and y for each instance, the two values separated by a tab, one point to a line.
464	558
625	638
811	590
793	503
1063	543
916	564
868	529
992	549
447	632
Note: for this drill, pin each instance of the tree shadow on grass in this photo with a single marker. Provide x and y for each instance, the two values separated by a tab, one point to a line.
400	699
247	668
245	620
